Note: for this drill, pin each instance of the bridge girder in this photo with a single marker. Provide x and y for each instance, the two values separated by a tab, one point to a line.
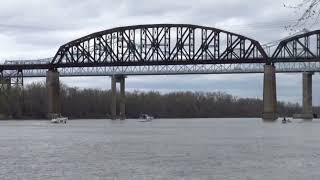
300	48
159	44
281	67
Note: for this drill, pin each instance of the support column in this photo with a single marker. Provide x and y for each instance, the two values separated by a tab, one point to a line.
8	83
269	94
122	98
3	88
113	97
307	111
114	80
307	95
53	92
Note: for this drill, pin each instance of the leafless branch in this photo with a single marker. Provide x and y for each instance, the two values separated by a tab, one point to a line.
309	13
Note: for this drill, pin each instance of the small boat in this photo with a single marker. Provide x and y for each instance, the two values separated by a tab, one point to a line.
145	118
284	121
59	119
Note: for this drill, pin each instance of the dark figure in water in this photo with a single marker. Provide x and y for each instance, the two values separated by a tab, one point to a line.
284	120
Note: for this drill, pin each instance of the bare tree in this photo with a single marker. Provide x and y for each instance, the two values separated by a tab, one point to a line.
93	103
308	11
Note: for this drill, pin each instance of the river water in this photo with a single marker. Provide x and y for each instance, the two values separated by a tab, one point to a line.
164	149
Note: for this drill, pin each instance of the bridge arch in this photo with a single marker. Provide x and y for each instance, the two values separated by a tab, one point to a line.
159	44
300	48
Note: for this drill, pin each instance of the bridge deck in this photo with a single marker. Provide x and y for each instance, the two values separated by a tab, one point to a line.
171	70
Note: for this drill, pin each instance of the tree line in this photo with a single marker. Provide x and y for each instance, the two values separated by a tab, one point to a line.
31	102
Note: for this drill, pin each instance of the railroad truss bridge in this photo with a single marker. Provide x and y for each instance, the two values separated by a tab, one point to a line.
170	49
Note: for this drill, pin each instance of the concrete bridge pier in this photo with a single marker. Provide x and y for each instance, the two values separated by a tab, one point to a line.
307	95
269	94
122	98
122	104
113	98
307	111
53	93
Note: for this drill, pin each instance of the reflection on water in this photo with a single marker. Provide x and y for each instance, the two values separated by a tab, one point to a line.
161	149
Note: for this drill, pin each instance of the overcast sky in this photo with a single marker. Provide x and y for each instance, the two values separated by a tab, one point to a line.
36	29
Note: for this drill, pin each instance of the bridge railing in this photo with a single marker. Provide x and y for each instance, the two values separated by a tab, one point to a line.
281	67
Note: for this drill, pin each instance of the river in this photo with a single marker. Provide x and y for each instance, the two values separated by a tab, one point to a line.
164	149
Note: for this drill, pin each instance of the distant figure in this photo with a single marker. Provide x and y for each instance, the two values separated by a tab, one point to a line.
284	120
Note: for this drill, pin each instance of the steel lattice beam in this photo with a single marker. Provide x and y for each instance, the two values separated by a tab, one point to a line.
301	48
159	44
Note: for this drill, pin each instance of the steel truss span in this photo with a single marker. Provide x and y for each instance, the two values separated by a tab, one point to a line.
159	44
299	48
183	48
282	67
